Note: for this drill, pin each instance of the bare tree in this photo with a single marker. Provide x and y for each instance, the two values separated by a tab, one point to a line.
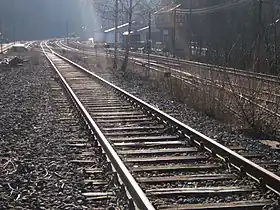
127	10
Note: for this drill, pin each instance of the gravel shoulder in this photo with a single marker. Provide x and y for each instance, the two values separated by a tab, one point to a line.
36	171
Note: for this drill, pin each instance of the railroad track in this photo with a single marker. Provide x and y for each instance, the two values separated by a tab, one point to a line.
63	46
214	75
163	163
6	48
192	65
263	100
206	71
121	174
85	154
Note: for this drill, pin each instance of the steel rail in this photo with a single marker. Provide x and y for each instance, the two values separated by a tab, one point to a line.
215	67
211	67
132	186
242	96
190	75
6	48
178	73
60	44
190	82
263	176
230	90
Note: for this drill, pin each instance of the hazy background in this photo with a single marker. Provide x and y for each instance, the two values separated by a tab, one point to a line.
41	19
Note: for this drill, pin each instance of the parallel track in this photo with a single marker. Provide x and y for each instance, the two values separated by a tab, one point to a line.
176	166
6	48
199	74
202	71
192	65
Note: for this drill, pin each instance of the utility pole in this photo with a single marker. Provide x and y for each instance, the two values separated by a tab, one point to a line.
275	36
67	32
115	66
174	33
1	37
14	21
149	41
125	62
260	35
190	30
174	29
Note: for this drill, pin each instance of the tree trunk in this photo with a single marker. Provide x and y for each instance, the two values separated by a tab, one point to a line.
124	66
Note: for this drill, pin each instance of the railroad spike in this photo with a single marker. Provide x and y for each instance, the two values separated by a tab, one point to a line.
213	153
201	146
262	183
242	171
131	205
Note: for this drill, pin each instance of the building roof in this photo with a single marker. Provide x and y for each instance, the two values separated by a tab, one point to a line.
126	33
167	8
142	29
120	26
138	30
19	45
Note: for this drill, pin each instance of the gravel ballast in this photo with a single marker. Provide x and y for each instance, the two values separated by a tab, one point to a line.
36	171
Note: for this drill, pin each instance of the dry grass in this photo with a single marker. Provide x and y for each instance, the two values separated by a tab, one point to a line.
250	102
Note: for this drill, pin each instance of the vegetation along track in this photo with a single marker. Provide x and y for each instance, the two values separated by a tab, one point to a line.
176	166
192	66
251	98
258	89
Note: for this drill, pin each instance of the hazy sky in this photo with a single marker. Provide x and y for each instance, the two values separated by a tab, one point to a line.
40	19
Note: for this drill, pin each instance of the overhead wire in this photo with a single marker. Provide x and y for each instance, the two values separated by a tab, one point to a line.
215	8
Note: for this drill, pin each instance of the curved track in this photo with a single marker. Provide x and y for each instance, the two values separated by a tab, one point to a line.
161	159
